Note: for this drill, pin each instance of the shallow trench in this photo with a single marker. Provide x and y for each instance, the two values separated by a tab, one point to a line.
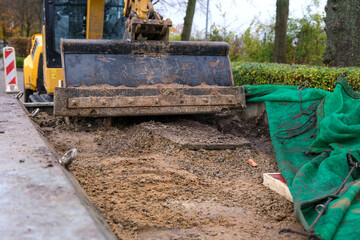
148	187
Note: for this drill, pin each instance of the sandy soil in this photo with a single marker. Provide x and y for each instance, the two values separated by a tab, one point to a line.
149	187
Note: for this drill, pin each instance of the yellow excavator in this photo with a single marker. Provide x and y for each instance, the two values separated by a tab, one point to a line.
104	58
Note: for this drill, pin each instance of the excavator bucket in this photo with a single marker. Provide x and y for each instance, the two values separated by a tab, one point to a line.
119	78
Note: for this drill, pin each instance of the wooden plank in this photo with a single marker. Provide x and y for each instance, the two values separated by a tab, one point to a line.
277	183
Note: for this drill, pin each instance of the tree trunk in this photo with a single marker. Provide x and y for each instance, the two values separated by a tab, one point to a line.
20	6
21	29
188	20
27	29
282	14
342	30
4	34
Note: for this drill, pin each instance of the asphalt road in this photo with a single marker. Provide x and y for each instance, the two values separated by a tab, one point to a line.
20	78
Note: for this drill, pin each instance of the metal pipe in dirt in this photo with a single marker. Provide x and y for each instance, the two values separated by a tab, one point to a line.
38	104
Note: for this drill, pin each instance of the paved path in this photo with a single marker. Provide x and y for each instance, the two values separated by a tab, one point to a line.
39	199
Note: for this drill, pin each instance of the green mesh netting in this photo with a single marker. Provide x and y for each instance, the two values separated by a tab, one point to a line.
315	162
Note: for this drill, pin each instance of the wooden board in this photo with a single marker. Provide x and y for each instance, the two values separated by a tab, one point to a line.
277	183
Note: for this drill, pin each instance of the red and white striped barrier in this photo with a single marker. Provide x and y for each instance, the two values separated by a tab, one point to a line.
10	70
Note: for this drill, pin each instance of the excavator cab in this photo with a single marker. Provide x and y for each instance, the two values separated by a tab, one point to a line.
105	58
64	19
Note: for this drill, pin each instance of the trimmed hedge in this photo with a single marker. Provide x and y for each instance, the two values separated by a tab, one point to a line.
283	74
20	44
20	62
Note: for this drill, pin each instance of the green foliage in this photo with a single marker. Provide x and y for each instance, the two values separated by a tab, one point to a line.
220	34
306	40
257	43
174	35
246	73
20	62
254	45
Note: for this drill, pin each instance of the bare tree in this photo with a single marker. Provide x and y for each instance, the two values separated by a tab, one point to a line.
7	20
27	13
19	18
190	5
188	20
342	30
282	14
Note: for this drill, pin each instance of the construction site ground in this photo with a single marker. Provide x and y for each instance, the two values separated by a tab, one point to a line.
176	177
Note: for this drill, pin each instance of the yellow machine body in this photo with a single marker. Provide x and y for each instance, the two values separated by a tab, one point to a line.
95	19
140	7
32	63
40	78
37	76
53	79
85	63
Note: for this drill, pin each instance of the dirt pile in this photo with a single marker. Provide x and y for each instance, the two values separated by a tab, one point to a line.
149	187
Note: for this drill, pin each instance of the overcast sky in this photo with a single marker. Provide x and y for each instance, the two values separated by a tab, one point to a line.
239	13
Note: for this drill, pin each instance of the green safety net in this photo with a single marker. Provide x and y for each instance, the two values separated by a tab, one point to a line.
316	138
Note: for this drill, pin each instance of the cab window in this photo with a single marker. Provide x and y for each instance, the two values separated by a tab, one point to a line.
70	20
34	48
